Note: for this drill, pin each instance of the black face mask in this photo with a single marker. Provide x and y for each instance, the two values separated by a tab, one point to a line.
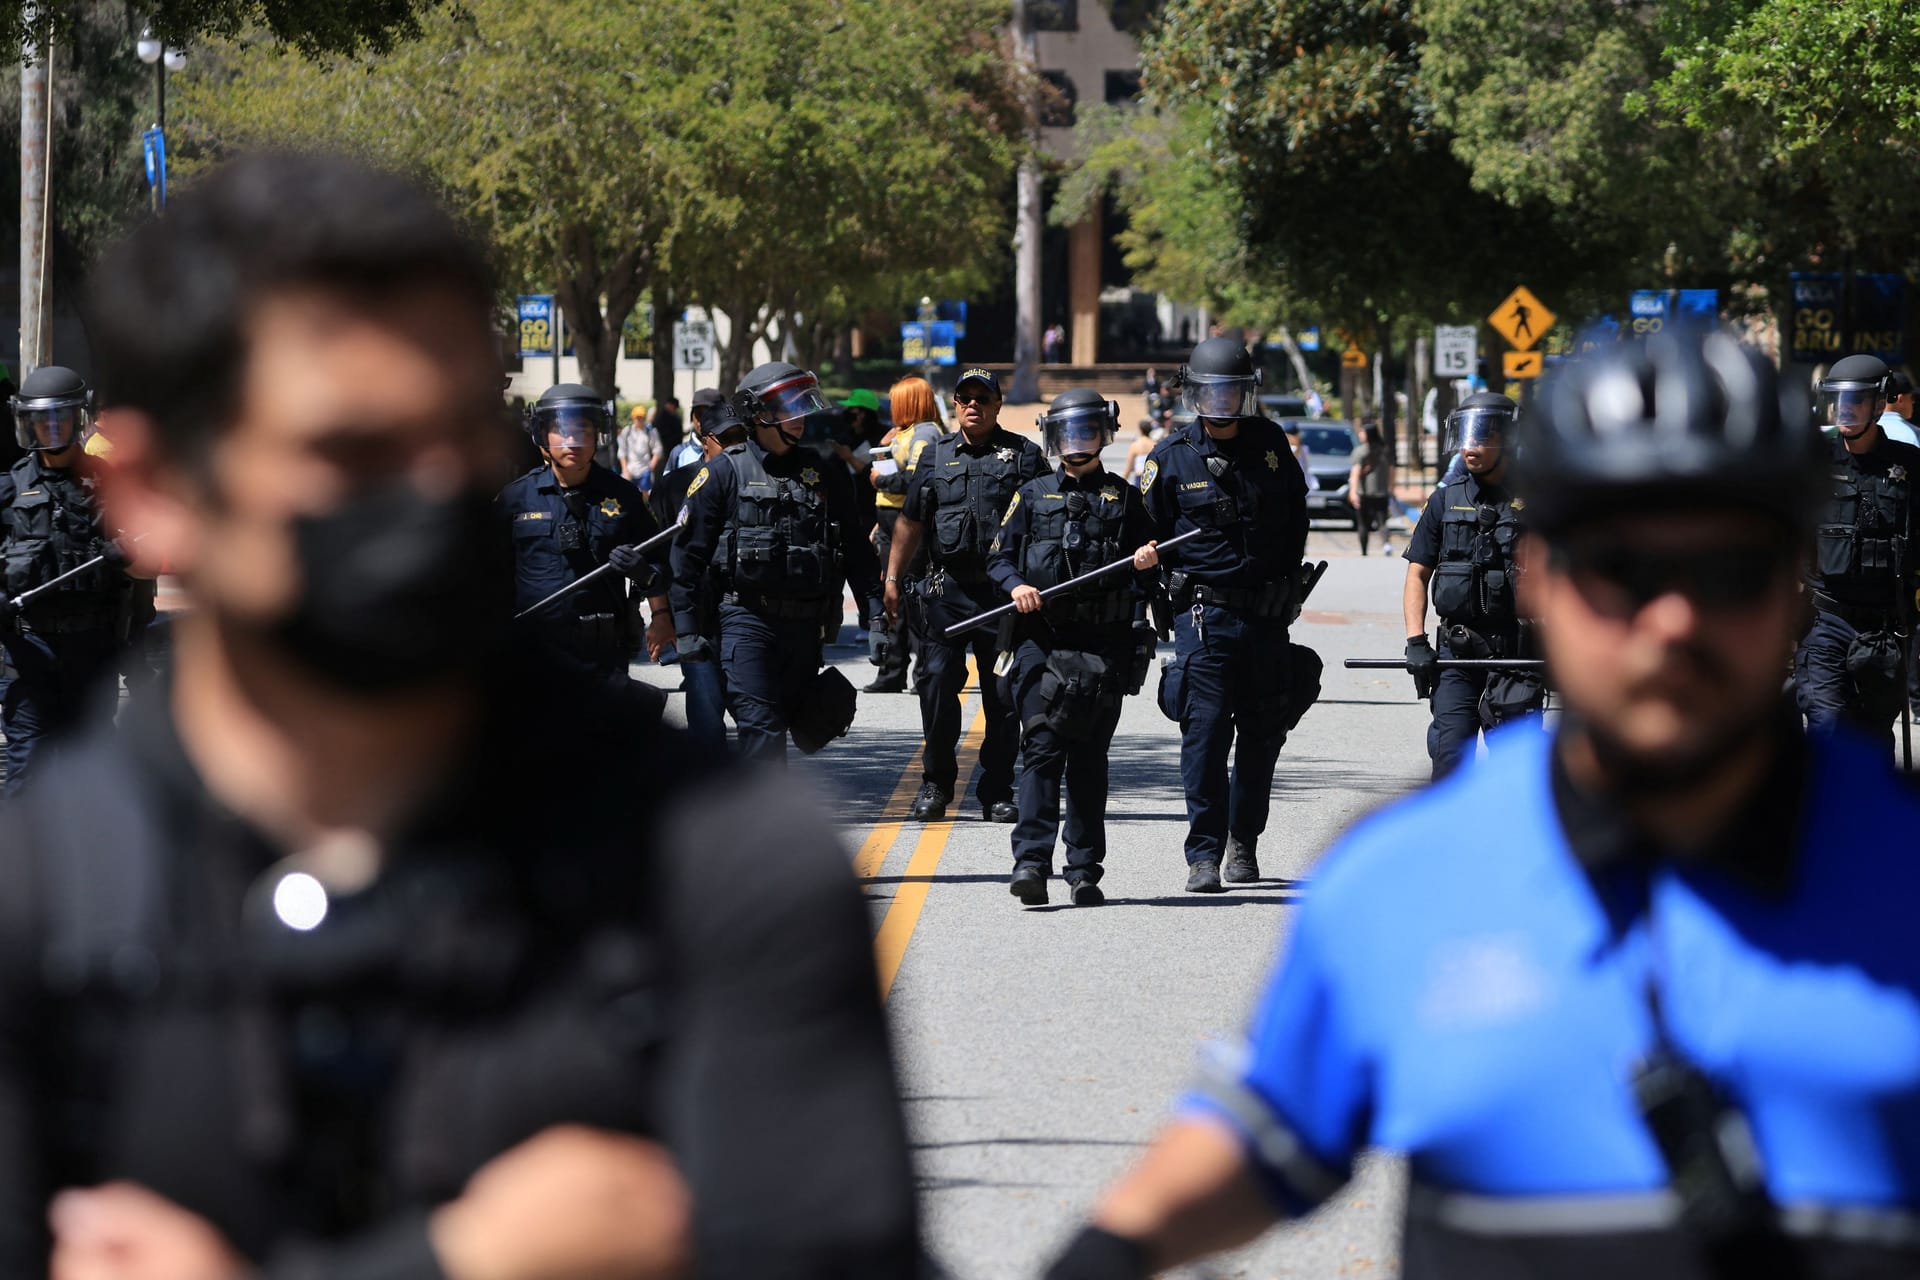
399	590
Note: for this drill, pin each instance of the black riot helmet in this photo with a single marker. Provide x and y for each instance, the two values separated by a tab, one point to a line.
777	393
53	410
1675	423
1079	424
1483	420
1219	380
1853	395
571	412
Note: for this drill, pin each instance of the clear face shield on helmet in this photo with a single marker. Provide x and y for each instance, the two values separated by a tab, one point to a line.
1216	395
1079	433
795	398
567	426
51	425
1484	428
1851	407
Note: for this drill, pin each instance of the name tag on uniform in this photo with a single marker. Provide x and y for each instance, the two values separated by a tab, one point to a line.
534	515
1198	484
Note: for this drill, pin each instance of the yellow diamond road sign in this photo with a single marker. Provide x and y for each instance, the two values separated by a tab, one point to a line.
1522	319
1520	364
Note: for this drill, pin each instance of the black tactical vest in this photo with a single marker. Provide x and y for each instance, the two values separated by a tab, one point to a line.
1862	547
1474	579
1070	533
53	527
780	541
1246	500
970	496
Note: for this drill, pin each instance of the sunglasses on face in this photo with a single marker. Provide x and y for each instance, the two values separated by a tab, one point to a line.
970	399
1620	581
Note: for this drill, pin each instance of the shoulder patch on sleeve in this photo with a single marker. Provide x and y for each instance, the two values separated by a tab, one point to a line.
1148	474
698	481
1012	503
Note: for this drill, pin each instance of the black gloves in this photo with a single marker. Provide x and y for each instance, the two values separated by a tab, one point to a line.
113	555
880	640
629	561
9	611
693	648
1423	664
1099	1255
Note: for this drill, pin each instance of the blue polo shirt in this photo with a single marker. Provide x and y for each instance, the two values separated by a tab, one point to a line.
1468	984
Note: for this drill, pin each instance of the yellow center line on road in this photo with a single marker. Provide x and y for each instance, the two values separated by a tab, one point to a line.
879	842
897	926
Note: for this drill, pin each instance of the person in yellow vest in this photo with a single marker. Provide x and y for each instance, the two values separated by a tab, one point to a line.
916	417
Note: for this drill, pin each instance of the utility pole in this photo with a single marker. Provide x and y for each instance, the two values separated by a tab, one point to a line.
1025	386
36	79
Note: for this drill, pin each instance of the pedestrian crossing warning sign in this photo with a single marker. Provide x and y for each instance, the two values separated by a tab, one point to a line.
1521	364
1522	319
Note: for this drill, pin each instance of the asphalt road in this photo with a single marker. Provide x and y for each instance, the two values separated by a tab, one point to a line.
1041	1047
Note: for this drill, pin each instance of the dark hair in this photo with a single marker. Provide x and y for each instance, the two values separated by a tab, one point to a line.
169	304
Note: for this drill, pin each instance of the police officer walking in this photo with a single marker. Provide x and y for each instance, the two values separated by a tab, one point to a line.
1851	665
960	491
68	637
568	517
1460	559
1663	1019
717	426
1077	655
776	533
1235	591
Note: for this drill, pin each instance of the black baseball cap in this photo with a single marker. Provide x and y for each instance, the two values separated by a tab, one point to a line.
979	375
1898	384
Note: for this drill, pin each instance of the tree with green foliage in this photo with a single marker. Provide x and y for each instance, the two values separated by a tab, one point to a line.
791	165
314	27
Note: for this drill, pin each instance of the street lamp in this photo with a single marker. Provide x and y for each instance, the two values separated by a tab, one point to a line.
162	60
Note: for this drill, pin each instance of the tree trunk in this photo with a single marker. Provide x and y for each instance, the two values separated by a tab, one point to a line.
667	305
1025	385
1297	360
36	336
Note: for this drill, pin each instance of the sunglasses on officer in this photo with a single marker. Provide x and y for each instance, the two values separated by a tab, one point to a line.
1619	581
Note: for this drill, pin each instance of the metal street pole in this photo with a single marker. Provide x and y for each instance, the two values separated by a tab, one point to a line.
1027	225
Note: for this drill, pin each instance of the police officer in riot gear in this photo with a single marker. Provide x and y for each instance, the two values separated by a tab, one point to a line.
1851	665
59	644
1460	559
1076	655
568	517
955	503
779	534
1235	591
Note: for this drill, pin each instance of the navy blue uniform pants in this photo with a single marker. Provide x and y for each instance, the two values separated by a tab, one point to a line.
1048	759
705	689
1457	726
50	679
1830	694
943	674
1228	689
767	663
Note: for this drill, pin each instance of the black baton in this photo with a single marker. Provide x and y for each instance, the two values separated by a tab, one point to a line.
1458	664
981	619
663	536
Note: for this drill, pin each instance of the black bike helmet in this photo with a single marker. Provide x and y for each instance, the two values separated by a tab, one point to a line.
1079	422
776	393
1853	395
1676	423
1485	417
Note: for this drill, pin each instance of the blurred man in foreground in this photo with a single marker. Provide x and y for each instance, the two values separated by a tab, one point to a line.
305	973
1666	1024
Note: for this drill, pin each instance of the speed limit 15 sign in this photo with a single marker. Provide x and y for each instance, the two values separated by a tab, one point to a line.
692	345
1454	350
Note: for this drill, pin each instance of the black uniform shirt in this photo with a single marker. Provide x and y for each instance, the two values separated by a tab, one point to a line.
71	490
609	510
923	490
513	968
1895	460
710	501
1258	467
1423	548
